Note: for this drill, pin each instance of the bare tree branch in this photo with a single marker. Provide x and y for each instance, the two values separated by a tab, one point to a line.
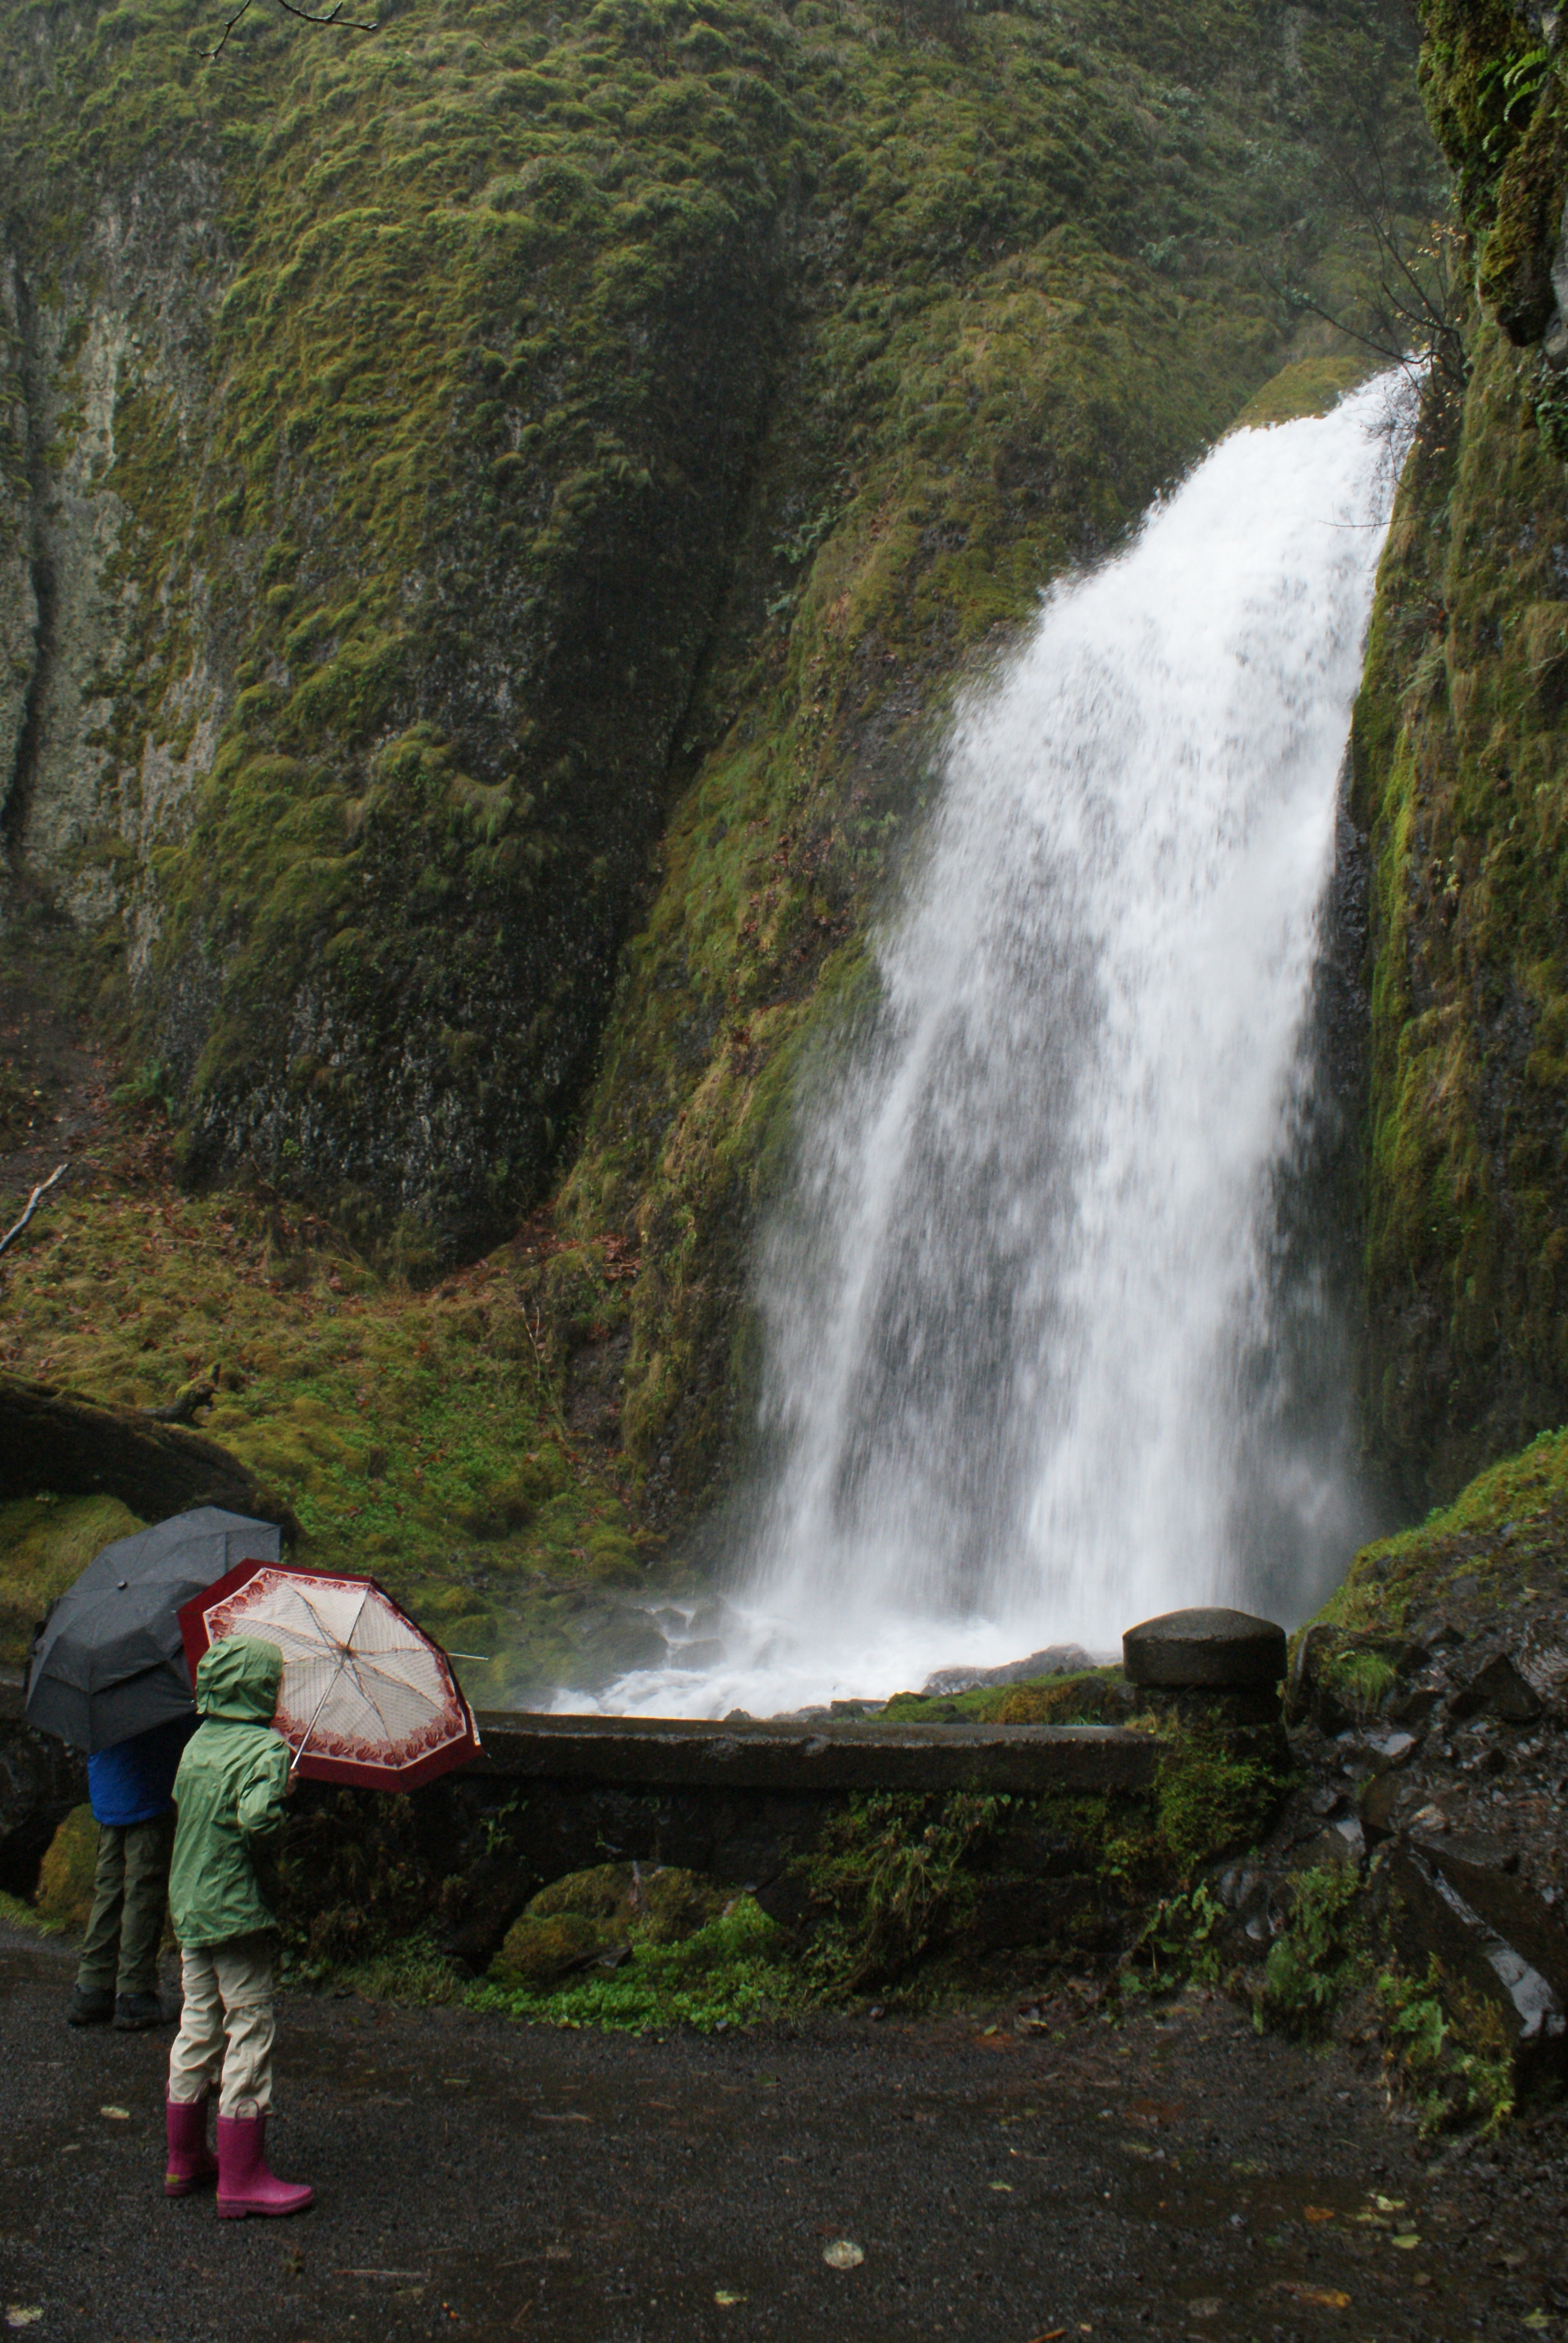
334	16
34	1201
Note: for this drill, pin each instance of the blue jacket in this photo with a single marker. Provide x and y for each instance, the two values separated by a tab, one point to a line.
132	1781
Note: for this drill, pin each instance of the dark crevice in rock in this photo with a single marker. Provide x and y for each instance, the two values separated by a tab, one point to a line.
15	787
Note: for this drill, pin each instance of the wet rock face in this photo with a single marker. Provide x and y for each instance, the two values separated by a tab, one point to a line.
41	1782
1225	1651
1434	1764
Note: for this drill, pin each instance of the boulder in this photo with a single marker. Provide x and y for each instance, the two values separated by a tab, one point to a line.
1056	1660
40	1781
69	1867
1218	1651
541	1949
591	1916
1503	1687
1428	1919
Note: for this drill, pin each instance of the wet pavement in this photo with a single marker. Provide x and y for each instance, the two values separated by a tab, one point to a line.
1176	2176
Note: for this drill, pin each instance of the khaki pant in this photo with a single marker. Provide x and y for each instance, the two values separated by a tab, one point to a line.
130	1890
228	1996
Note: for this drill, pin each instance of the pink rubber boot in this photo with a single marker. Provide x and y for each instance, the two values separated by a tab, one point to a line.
244	2183
190	2162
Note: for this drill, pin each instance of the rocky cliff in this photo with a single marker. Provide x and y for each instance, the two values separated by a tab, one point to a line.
1460	762
490	509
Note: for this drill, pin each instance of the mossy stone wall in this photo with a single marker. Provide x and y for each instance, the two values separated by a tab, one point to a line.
1461	775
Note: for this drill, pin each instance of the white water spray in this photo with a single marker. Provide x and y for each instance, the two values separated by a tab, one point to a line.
1024	1378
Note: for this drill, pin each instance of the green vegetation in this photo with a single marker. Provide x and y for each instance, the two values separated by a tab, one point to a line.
1459	775
416	1435
892	1875
728	1972
566	463
1503	1540
1214	1794
1320	1958
1448	2048
1085	1698
45	1542
63	1896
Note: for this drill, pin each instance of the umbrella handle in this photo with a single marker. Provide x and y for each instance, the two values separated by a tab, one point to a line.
332	1679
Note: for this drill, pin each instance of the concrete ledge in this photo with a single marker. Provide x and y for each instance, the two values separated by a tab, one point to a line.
678	1753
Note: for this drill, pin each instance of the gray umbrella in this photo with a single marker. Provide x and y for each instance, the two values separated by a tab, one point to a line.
108	1661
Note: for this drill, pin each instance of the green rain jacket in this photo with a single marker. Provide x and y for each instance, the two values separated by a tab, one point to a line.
229	1793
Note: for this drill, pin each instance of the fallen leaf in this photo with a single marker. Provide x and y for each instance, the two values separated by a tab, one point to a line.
1327	2297
726	2301
23	2315
1388	2204
1052	2334
1003	2186
842	2254
1317	2212
1536	2321
411	2276
1135	2147
117	2115
1208	2306
1406	2243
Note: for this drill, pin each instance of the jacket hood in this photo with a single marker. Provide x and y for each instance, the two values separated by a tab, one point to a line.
237	1680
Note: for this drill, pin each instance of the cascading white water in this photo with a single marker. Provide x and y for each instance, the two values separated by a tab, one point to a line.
1023	1379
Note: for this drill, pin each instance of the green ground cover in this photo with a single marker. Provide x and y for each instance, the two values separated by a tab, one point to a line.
415	1435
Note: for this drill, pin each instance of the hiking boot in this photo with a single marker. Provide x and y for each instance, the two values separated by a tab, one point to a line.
190	2160
136	2011
244	2183
90	2008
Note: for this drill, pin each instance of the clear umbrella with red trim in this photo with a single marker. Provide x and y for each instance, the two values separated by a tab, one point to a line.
366	1696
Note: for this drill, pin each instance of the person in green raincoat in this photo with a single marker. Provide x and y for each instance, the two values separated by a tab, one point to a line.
229	1791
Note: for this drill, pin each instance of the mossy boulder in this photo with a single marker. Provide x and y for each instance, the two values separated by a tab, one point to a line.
65	1891
541	1949
589	1915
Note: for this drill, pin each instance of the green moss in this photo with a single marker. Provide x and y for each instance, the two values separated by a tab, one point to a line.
1502	1541
728	1972
65	1890
1514	277
1213	1795
1307	386
45	1542
1078	1699
1459	774
415	1435
584	415
892	1876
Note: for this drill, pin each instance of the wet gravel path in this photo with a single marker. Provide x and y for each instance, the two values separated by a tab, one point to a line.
1177	2175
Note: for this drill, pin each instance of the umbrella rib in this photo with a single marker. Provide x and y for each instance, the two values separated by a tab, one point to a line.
332	1679
371	1701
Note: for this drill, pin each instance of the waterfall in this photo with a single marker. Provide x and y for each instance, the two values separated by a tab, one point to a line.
1035	1345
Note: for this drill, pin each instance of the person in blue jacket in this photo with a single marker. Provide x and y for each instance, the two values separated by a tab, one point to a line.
129	1787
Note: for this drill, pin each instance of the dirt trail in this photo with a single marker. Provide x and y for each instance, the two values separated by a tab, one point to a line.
53	1083
1178	2176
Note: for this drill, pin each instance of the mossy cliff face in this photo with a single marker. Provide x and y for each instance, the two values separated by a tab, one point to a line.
963	418
1462	778
443	453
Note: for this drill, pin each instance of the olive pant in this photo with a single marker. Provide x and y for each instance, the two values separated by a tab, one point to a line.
227	2026
130	1892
